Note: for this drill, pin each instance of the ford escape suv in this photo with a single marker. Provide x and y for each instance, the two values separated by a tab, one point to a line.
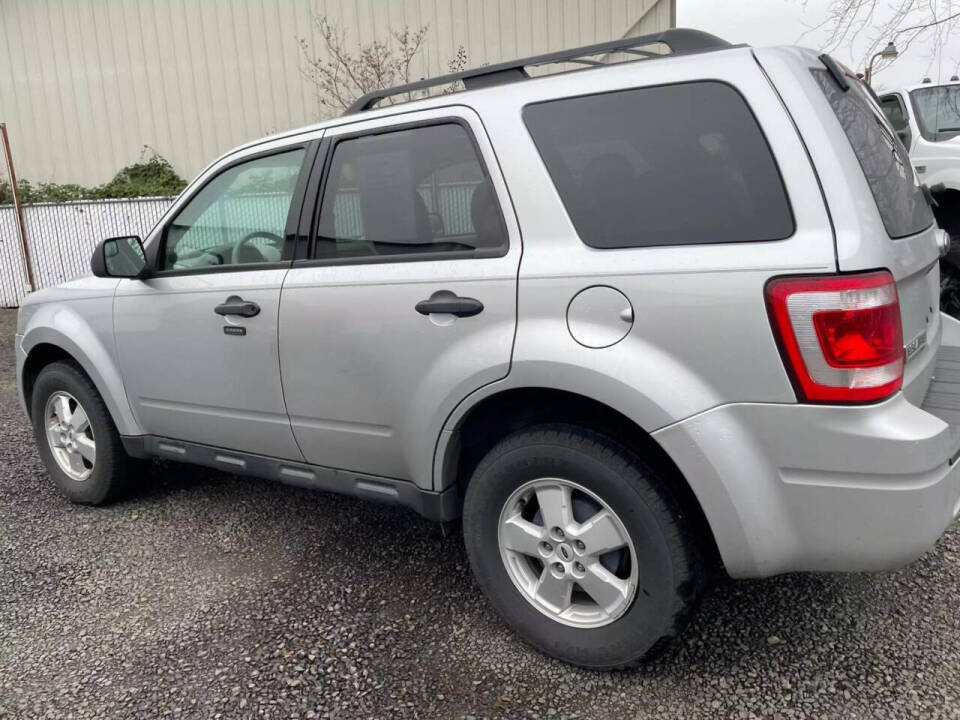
621	320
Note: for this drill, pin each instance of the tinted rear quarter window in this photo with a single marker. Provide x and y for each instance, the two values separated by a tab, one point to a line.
881	155
681	164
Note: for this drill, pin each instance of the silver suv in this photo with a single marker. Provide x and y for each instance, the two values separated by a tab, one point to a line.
621	320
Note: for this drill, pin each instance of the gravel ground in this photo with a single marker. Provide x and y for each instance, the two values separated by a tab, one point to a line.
207	595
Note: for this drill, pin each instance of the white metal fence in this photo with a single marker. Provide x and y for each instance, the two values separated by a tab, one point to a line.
61	238
450	202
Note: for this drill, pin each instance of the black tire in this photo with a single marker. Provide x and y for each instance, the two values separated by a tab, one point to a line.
947	212
948	217
670	572
112	465
950	281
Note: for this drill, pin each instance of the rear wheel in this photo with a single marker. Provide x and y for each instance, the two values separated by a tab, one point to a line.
78	442
580	546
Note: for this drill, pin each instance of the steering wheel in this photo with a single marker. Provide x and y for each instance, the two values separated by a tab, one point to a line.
235	258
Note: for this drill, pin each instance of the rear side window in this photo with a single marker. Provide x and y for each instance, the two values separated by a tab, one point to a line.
679	164
884	160
409	192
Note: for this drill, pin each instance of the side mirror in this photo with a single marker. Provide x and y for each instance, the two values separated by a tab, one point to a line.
119	257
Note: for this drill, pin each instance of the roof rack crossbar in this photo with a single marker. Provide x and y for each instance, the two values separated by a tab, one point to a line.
680	41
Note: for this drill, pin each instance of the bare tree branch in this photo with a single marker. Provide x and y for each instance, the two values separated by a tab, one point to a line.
341	73
905	22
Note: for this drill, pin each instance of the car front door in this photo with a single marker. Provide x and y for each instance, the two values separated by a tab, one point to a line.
197	340
407	302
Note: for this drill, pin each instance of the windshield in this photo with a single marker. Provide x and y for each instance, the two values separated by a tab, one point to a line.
938	111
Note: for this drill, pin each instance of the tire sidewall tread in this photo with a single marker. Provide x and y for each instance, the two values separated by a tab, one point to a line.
111	465
668	557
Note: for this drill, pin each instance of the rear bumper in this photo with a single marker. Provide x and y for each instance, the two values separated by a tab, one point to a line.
802	487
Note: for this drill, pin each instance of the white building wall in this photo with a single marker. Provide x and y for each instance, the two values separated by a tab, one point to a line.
85	84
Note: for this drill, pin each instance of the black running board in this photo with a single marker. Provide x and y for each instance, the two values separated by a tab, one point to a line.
438	506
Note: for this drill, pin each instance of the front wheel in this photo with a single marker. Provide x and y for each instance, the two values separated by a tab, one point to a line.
580	546
78	442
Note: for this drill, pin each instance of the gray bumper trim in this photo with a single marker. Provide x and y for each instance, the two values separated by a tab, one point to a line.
943	397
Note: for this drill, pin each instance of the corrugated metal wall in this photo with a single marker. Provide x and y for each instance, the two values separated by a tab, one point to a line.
85	84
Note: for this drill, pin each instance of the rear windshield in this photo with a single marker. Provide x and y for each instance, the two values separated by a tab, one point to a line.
678	164
884	160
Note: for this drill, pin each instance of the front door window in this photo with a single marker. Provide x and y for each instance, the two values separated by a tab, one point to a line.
238	218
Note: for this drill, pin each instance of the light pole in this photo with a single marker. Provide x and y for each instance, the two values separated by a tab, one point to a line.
888	53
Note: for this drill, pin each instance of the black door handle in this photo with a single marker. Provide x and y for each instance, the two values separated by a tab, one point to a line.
236	305
445	301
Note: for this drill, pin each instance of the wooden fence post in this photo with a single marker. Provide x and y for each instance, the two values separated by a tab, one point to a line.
21	227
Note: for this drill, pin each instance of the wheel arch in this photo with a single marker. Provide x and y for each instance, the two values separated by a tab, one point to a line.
45	344
37	359
495	416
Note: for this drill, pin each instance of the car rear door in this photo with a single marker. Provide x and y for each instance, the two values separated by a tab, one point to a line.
406	301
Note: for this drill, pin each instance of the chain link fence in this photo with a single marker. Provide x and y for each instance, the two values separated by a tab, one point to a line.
61	237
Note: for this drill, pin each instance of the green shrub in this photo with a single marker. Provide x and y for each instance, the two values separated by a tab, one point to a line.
151	176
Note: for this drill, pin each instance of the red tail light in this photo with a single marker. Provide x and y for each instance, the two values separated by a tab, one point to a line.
840	336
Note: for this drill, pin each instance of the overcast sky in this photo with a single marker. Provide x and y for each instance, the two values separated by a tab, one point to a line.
782	22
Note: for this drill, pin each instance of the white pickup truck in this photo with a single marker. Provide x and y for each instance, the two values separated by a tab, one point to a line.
927	119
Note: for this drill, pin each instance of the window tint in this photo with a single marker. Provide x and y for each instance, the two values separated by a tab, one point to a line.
671	165
884	160
237	218
421	190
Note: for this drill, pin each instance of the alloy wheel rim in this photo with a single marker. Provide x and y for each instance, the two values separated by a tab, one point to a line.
568	553
70	435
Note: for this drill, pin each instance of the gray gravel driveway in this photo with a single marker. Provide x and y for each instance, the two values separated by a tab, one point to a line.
207	595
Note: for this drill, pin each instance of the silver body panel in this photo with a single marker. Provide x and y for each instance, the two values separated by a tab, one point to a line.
696	308
339	371
186	379
368	380
803	487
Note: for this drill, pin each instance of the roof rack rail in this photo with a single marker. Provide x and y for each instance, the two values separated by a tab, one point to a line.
679	40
